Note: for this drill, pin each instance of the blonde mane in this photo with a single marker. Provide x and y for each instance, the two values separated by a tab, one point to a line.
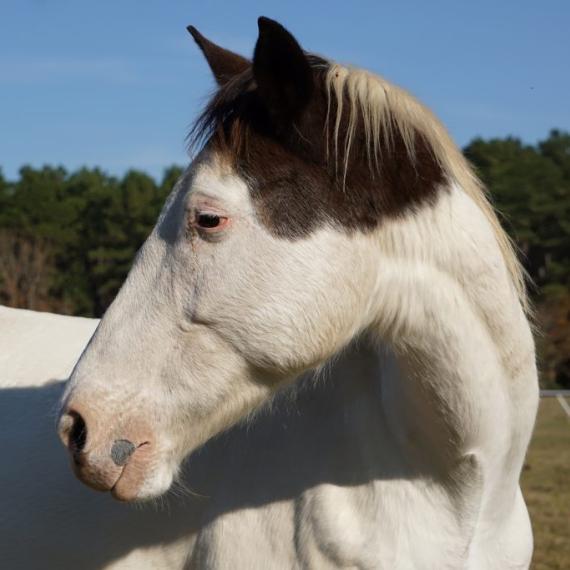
383	109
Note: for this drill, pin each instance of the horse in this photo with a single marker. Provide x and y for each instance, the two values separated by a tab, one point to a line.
330	323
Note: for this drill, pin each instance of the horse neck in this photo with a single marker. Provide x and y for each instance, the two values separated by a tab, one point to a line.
446	306
441	267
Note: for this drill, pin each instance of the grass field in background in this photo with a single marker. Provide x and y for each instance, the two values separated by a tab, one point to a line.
546	487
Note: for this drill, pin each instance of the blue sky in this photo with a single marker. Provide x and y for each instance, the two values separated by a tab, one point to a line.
116	83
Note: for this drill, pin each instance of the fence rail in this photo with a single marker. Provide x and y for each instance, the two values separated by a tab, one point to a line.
554	393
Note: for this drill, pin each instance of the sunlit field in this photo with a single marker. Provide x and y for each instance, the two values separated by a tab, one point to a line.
546	486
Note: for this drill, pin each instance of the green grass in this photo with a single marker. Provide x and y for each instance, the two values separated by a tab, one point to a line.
546	487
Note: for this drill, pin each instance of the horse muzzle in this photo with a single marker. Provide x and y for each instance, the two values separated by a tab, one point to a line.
103	456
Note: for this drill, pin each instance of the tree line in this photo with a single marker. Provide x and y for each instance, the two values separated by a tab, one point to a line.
67	239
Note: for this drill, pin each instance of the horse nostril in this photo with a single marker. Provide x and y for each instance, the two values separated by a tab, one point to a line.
77	433
121	451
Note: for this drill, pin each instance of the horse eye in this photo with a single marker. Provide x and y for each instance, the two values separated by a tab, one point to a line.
208	221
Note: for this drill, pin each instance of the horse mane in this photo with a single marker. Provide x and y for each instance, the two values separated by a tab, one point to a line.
384	110
362	105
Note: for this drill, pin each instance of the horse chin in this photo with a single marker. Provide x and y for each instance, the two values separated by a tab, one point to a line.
134	485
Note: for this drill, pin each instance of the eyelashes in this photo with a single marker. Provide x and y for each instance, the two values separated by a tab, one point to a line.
210	222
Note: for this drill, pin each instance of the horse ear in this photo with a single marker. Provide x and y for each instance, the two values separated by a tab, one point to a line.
281	71
224	64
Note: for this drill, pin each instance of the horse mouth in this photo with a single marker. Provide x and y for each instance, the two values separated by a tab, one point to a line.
122	491
132	477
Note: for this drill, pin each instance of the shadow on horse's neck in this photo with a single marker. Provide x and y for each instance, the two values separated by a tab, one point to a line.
329	428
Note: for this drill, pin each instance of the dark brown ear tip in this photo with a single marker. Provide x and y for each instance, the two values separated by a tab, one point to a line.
264	23
198	37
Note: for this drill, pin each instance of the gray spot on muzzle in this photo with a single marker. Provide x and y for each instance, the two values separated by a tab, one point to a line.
121	451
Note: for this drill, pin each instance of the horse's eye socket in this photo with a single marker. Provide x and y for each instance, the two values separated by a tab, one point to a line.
208	221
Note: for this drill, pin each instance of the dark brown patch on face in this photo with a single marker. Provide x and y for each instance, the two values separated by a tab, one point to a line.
295	183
